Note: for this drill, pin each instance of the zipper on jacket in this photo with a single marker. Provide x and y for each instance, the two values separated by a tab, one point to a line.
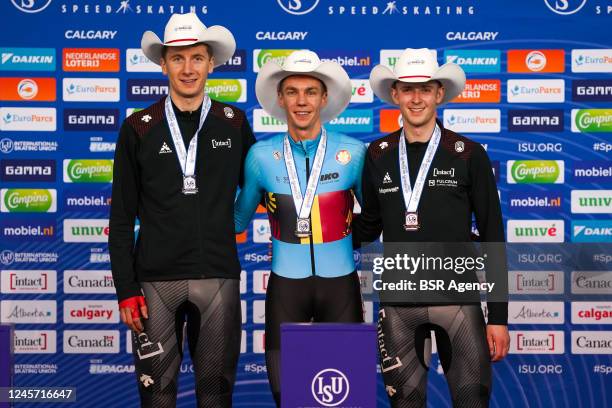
312	258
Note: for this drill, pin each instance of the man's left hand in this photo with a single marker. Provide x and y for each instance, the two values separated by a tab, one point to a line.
499	341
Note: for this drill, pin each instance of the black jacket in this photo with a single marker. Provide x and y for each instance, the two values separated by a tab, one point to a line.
463	184
181	236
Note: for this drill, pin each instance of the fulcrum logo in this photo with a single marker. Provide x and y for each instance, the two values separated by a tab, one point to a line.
330	387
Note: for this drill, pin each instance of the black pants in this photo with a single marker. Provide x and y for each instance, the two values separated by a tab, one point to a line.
404	335
211	308
312	299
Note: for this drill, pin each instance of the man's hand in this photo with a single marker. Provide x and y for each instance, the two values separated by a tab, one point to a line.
132	311
499	341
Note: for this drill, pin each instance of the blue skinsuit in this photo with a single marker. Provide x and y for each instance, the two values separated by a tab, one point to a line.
328	252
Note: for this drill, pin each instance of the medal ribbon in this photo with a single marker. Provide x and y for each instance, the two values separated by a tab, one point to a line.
303	205
412	197
187	158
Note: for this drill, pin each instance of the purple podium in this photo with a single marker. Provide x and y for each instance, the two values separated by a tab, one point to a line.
328	365
6	359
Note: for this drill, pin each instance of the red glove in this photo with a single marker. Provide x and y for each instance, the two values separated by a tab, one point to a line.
134	303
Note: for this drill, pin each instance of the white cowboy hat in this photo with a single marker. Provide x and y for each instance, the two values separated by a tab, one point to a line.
304	62
187	29
417	66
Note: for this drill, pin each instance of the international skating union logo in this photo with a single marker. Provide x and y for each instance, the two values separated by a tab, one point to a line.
330	387
31	6
298	7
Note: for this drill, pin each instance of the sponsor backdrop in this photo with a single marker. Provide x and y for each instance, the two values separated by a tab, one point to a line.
539	98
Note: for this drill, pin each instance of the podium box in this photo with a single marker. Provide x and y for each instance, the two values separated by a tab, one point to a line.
328	365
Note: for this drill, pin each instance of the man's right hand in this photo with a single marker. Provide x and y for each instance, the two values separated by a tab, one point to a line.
132	311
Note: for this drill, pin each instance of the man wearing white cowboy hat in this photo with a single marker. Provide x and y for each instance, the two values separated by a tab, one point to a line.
177	167
309	177
422	183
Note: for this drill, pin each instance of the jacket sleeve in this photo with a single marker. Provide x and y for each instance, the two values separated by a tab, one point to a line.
250	194
248	140
360	154
487	211
367	226
123	213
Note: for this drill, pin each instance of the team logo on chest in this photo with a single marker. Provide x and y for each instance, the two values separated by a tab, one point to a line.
165	149
229	112
343	157
459	146
443	178
387	179
222	143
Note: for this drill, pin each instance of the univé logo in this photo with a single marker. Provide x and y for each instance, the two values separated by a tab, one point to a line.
361	91
330	387
86	230
262	122
591	201
536	230
298	7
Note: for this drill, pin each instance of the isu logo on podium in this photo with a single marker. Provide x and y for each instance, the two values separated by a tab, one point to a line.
330	387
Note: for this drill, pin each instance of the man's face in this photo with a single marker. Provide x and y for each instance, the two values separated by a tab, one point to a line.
303	98
418	102
187	69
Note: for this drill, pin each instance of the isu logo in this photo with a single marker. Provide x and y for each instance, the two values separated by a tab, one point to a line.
330	387
298	7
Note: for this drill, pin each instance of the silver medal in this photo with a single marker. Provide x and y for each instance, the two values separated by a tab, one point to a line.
189	185
302	228
303	204
186	156
412	196
412	221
